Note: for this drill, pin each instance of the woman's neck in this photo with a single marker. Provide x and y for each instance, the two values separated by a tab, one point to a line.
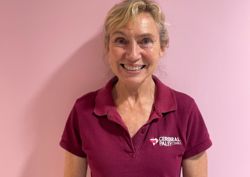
131	96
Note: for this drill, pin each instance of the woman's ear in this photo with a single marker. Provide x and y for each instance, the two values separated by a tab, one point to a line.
162	51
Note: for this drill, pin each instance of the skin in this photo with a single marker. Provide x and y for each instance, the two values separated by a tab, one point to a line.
74	166
195	166
133	54
135	45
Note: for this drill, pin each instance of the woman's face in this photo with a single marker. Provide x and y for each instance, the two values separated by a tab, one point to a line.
134	50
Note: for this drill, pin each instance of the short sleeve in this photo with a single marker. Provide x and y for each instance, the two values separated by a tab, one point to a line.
197	137
71	139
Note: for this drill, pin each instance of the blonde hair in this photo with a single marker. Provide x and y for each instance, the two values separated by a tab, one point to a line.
121	13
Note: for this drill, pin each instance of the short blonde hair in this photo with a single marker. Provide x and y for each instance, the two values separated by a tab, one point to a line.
121	13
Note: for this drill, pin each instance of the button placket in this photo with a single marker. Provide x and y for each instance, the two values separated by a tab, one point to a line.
139	138
129	148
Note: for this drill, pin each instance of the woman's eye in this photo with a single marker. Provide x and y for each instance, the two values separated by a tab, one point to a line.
146	42
120	41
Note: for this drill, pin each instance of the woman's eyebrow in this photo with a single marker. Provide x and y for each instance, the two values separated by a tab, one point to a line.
146	35
118	33
139	35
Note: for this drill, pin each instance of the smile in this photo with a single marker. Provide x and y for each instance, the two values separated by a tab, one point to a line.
133	68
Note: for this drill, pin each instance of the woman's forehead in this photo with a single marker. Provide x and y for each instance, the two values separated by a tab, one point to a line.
142	24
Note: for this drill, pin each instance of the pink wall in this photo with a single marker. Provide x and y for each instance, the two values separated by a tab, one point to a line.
50	55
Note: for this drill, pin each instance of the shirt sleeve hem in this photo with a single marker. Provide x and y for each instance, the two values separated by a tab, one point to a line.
65	146
198	149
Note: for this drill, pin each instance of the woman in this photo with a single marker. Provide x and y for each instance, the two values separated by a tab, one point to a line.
135	126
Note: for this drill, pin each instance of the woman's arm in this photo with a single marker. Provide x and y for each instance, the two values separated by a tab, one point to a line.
195	166
74	166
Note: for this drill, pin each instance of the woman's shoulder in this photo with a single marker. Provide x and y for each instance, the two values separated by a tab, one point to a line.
87	99
168	92
182	97
98	97
185	102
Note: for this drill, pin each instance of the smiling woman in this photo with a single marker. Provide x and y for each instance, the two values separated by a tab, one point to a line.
134	51
136	120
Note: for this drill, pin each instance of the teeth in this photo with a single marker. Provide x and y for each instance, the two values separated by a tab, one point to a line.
133	68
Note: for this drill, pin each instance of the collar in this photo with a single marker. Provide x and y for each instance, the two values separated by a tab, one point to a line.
164	98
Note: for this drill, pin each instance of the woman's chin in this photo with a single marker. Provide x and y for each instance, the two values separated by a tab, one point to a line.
134	81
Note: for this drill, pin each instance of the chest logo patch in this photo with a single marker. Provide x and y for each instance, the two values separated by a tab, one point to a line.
166	141
154	141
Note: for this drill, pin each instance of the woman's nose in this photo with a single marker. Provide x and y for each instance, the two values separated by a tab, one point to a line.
133	51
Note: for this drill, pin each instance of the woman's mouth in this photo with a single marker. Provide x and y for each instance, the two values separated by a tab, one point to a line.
133	68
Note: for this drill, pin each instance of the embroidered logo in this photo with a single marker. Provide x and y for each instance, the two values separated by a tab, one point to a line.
166	141
154	141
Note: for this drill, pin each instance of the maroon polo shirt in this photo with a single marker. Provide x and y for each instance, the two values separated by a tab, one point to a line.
174	131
